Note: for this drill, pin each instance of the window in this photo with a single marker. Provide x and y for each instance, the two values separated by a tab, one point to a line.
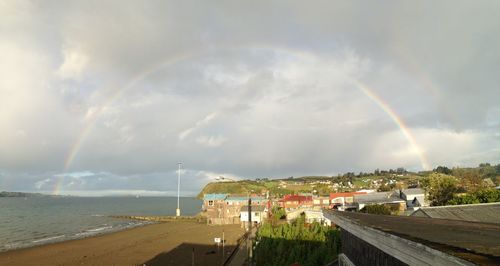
256	214
210	203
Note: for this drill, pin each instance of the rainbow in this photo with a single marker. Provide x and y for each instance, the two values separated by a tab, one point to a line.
425	81
397	119
75	148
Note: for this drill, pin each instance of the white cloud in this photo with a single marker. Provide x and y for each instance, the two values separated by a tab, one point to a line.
211	141
73	65
235	90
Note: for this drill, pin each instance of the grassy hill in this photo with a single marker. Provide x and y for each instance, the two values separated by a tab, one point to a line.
382	180
276	187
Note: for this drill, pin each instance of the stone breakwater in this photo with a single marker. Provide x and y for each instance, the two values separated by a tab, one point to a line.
162	219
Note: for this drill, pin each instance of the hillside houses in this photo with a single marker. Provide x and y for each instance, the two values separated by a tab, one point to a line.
233	209
343	200
415	198
292	202
226	209
390	199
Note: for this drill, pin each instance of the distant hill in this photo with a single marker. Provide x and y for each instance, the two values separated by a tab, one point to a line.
381	180
275	187
233	187
6	194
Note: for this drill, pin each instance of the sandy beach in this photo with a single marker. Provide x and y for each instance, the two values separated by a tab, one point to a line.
169	243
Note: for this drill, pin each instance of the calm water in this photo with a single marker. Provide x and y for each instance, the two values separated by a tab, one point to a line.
34	221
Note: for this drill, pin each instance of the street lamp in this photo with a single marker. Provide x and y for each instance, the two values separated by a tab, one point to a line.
178	210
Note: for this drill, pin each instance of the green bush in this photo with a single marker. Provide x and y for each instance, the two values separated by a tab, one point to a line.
481	196
286	244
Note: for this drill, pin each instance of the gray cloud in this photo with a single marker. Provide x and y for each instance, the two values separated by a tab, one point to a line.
125	90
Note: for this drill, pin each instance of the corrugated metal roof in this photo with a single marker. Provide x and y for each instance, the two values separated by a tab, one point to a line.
413	191
377	197
477	242
214	196
297	198
237	198
344	194
486	212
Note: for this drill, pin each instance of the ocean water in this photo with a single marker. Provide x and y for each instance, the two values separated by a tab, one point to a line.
33	221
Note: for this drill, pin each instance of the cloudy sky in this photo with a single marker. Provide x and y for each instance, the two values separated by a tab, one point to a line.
105	97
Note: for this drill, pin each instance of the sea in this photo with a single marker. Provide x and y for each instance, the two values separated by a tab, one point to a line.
32	221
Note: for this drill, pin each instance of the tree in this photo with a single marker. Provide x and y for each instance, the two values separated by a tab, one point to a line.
400	170
440	188
443	170
470	180
482	196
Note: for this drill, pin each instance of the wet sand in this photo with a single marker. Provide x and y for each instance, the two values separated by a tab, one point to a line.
158	244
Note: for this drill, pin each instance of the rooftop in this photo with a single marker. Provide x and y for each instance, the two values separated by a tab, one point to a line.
377	197
297	198
485	212
214	196
471	241
244	198
413	191
344	194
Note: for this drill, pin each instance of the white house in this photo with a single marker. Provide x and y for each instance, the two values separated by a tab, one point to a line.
414	197
258	214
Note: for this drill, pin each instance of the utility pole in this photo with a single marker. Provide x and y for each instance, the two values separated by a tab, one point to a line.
223	246
178	210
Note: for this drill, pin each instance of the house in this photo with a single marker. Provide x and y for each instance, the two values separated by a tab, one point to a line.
292	202
213	201
390	199
257	214
214	208
414	197
343	200
483	212
234	204
321	202
316	216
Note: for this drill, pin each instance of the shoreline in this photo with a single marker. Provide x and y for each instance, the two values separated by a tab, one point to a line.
61	238
152	243
98	234
140	221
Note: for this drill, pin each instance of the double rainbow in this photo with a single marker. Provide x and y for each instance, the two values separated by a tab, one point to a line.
384	106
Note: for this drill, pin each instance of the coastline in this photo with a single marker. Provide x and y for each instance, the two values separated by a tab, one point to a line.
150	244
94	232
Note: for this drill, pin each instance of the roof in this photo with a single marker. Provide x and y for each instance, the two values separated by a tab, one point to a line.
476	242
297	198
485	212
344	194
377	197
254	208
413	191
214	196
243	198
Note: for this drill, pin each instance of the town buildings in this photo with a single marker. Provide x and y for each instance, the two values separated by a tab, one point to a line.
390	199
292	202
415	198
226	209
229	209
343	200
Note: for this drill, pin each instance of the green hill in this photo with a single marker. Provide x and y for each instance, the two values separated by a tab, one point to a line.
237	187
